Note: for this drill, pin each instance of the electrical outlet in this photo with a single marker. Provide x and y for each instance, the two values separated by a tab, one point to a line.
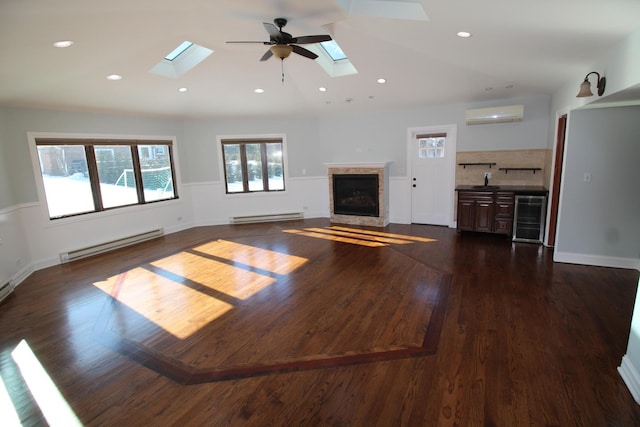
487	175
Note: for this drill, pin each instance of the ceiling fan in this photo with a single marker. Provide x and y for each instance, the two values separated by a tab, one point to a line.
282	43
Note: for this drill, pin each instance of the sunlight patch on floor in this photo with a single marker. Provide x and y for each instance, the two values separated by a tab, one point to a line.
253	257
174	307
383	234
336	238
358	236
46	394
8	411
186	291
236	281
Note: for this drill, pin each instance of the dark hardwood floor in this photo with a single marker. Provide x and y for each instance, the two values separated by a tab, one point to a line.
307	323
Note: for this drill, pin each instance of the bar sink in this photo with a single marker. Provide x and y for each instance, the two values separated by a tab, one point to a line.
486	187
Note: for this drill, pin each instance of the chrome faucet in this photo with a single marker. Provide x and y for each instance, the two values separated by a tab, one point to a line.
486	179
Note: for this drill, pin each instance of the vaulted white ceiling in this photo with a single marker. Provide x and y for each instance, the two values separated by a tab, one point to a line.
517	48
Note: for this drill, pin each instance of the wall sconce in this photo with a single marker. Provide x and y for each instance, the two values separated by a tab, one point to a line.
585	86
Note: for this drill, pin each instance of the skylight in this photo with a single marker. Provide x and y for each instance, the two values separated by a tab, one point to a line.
178	51
333	50
181	59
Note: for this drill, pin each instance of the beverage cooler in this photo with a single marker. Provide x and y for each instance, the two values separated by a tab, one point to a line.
529	218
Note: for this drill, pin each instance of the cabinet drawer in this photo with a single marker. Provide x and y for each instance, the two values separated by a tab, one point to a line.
504	209
475	195
503	226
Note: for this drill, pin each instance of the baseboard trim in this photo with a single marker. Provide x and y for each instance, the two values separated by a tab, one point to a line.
597	260
630	377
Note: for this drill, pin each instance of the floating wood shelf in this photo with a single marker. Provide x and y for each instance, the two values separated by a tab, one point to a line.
506	170
464	165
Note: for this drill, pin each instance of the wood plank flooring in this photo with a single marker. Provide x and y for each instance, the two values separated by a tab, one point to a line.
308	323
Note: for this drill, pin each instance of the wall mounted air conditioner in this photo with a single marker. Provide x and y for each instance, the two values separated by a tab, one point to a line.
507	113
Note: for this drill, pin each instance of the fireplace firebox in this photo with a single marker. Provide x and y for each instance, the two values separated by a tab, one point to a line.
356	194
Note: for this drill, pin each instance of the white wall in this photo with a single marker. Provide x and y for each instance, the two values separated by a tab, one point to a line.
311	142
598	221
6	190
621	66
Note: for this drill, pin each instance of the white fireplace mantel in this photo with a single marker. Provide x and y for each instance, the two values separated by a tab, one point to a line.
372	165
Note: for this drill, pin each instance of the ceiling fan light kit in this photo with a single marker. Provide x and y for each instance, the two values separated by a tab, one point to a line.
283	43
281	51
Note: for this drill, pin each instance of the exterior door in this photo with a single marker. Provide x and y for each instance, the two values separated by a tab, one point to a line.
432	159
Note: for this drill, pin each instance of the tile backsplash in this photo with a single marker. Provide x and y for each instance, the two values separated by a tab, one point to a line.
474	174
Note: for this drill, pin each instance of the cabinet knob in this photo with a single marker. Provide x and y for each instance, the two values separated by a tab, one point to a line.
414	186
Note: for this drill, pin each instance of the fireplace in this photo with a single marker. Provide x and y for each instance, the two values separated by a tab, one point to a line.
356	194
359	193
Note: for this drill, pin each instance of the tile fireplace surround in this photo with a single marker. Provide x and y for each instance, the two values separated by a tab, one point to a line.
380	168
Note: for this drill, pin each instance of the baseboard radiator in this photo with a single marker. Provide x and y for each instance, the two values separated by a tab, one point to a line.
267	218
111	245
5	290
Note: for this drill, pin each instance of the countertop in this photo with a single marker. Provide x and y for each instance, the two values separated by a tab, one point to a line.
517	189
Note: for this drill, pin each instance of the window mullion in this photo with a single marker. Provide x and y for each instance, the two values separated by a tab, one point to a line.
137	173
94	178
173	172
245	168
265	171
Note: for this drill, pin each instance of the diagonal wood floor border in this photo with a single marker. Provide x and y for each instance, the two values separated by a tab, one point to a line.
183	373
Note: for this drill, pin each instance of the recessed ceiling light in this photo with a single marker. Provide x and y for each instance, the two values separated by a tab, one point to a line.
258	90
322	89
63	43
463	34
114	77
381	81
182	89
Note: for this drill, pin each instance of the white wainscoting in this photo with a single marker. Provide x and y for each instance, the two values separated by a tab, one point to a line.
211	206
15	259
400	200
47	239
31	241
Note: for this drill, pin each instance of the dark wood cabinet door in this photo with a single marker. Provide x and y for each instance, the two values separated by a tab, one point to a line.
484	213
466	219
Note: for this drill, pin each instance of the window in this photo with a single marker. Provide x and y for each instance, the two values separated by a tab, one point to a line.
84	176
431	146
253	165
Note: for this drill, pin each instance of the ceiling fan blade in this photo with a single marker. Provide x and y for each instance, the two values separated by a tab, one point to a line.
248	41
304	52
272	30
268	54
311	39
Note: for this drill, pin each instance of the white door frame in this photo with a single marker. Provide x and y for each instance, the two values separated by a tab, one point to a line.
450	180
